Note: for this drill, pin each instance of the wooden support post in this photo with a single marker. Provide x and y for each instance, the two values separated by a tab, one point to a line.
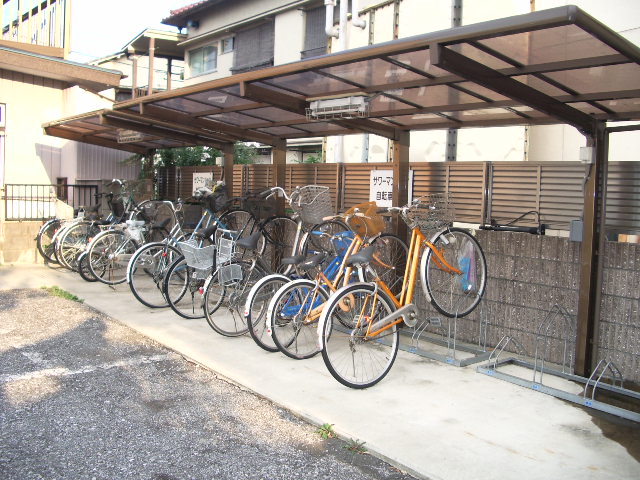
227	167
400	192
591	255
152	49
169	64
134	76
279	154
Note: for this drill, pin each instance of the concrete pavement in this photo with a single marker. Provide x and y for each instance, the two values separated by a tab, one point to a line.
432	419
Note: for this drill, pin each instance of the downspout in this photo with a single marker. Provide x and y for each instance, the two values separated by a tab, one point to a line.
342	45
355	19
329	29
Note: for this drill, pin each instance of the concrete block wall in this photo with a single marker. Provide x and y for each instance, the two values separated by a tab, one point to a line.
530	274
17	244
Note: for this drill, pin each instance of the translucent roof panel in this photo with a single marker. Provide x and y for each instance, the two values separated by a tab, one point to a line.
550	66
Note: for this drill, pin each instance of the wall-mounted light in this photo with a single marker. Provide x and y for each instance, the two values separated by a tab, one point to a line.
193	24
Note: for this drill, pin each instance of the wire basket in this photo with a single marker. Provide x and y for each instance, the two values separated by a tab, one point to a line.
135	229
431	212
200	258
226	246
259	207
368	221
313	204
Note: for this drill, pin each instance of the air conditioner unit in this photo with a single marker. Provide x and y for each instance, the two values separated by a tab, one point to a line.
334	108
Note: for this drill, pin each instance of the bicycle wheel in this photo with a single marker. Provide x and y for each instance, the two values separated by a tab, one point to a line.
240	221
109	254
353	358
146	271
293	315
256	306
390	260
280	235
44	240
83	268
230	286
317	243
183	288
72	241
454	294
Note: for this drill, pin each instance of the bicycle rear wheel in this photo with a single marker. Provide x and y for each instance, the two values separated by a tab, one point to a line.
390	260
280	234
72	241
241	221
83	268
256	306
354	358
294	318
450	293
146	271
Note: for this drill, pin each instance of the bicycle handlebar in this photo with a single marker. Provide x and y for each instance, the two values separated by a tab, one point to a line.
539	230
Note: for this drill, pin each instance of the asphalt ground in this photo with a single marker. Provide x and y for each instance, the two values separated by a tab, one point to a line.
83	396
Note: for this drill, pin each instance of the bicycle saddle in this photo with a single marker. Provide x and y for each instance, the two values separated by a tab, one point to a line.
363	256
250	242
313	261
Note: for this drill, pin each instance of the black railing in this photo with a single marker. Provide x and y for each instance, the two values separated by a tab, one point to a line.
39	202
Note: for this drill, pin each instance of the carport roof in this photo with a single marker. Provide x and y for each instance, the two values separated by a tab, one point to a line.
552	66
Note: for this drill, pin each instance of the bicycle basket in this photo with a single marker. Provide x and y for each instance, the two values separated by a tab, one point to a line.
368	222
259	207
313	204
135	230
200	258
219	199
226	246
229	274
431	212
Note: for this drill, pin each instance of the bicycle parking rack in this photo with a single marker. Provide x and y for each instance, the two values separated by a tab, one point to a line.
449	340
596	382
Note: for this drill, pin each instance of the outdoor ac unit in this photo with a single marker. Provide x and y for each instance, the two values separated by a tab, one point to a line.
346	107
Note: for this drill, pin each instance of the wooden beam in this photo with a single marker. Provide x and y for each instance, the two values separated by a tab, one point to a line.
227	167
60	132
368	126
400	190
273	97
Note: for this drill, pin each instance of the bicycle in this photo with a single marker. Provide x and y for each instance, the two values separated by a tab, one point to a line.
359	329
295	309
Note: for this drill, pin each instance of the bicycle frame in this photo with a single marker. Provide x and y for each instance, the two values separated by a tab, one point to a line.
404	302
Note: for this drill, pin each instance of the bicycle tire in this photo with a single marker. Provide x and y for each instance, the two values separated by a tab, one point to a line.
83	268
72	241
280	233
353	359
451	294
183	288
230	323
319	243
256	307
146	271
109	254
293	331
44	240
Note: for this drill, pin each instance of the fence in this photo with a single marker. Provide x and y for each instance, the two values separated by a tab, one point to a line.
483	191
38	202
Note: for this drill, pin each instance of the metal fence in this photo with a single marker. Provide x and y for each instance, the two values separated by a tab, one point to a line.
39	202
482	190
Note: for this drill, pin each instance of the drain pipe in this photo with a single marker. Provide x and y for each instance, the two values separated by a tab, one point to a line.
355	19
329	29
342	45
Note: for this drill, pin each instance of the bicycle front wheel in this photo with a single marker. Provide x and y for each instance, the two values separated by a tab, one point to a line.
146	272
108	256
44	240
183	287
293	314
230	285
280	234
354	357
451	293
256	307
390	260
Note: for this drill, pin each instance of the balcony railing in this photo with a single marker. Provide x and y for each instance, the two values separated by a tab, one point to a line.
39	202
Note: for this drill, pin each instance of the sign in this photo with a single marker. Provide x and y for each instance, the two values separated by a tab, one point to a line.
130	136
381	187
202	179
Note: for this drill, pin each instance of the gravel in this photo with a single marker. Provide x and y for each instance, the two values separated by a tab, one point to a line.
85	397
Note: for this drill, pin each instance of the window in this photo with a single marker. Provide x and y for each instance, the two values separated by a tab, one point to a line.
315	38
203	60
254	48
227	44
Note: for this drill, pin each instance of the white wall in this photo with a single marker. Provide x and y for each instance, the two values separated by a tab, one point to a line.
289	37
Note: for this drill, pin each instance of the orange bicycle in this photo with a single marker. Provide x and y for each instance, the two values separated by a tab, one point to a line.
359	327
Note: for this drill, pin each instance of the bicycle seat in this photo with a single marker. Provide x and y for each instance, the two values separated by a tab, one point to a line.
363	256
313	261
207	233
250	242
294	260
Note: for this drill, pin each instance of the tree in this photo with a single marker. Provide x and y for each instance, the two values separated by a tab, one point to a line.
186	156
244	153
